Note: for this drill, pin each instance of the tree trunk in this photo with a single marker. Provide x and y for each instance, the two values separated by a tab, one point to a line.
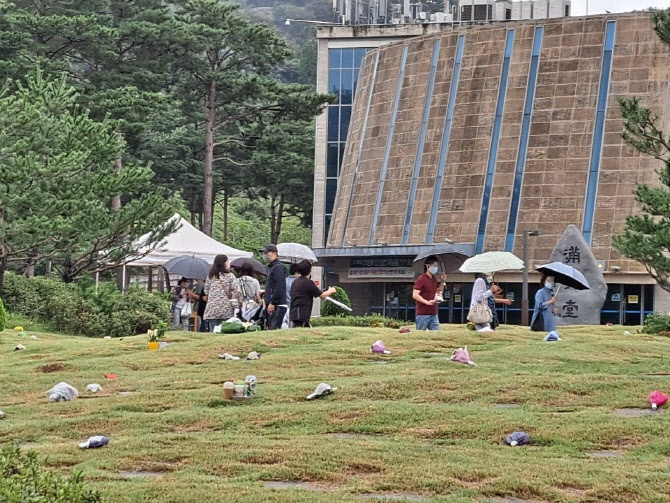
3	265
225	214
192	217
150	281
161	279
273	218
208	186
277	220
116	206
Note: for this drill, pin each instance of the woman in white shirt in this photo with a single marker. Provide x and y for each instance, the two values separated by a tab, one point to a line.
481	294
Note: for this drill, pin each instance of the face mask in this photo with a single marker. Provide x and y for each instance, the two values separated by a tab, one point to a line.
549	286
433	270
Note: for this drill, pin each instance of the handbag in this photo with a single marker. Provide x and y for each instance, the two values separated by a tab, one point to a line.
538	323
480	313
186	310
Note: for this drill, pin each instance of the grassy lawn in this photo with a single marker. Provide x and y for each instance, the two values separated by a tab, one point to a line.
411	424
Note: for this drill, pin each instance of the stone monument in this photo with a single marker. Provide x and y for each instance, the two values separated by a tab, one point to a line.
579	307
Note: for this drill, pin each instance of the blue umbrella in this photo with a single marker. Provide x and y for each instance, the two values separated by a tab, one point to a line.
565	275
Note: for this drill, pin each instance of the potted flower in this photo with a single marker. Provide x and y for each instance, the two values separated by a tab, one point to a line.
153	339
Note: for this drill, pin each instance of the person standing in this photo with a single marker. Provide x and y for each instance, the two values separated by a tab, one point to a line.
201	304
251	291
425	295
544	300
180	314
292	275
275	288
303	293
223	293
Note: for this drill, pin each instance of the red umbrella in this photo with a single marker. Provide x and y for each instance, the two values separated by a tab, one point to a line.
657	399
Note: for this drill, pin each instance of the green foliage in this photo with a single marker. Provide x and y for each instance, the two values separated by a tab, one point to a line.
374	321
656	323
82	311
330	309
3	316
24	480
58	172
249	226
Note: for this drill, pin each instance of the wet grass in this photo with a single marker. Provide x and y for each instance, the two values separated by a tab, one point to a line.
416	428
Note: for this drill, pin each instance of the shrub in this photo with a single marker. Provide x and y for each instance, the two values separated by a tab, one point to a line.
3	316
83	311
656	323
330	309
373	321
22	479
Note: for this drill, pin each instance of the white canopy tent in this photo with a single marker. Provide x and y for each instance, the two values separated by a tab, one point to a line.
186	240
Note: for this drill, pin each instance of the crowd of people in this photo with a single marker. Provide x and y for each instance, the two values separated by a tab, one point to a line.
427	294
286	301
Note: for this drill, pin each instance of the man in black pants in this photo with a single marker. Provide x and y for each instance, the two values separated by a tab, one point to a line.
275	289
303	293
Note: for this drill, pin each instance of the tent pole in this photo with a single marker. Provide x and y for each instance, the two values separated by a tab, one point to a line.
97	281
123	279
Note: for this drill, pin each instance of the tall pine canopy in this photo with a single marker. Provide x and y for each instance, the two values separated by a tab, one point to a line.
58	168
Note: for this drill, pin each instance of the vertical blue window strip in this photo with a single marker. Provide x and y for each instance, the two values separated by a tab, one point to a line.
523	139
598	132
343	65
389	138
422	138
446	133
360	145
495	140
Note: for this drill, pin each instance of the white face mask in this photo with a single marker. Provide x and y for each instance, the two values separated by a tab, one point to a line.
548	285
433	270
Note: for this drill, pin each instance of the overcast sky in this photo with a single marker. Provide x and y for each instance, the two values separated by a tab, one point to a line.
599	6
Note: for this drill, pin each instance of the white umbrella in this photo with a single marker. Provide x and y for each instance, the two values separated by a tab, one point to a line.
295	252
491	262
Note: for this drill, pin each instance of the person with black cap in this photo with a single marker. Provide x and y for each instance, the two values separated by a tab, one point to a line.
275	288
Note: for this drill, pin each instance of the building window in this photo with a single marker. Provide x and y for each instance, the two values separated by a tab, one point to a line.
344	66
480	12
466	13
490	13
567	11
508	14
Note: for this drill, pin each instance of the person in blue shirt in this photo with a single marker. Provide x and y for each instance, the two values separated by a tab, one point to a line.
544	301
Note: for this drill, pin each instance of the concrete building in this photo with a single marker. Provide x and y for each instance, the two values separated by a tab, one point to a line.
475	134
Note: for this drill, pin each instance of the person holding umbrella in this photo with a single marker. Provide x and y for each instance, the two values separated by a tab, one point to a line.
181	305
425	294
543	312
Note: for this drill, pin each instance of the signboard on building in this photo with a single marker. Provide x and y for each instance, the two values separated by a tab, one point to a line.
633	299
381	273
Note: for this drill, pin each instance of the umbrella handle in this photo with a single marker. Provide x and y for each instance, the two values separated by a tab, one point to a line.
558	289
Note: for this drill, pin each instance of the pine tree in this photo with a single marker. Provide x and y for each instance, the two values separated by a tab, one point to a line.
228	63
646	237
58	168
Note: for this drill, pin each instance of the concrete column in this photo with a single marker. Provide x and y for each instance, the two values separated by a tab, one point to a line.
318	231
661	300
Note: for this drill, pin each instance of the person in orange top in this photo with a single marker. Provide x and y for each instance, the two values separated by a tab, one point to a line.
425	295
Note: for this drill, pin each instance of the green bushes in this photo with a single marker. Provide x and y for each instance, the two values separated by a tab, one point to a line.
330	309
657	323
22	479
83	311
373	321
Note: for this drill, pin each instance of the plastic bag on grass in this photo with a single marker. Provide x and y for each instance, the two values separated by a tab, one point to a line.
62	392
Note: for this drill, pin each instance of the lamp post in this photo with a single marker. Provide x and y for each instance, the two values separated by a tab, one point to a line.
524	289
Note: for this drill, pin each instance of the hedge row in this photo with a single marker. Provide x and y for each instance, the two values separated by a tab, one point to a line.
80	310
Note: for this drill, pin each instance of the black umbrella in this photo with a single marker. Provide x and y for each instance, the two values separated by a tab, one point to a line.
449	258
188	266
258	268
565	275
